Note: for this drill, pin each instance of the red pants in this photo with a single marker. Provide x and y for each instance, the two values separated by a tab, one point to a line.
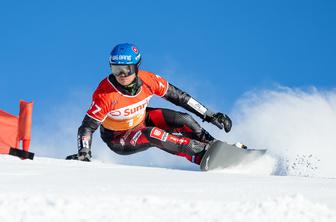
159	130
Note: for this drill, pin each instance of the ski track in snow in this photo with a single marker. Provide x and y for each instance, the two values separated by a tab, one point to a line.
57	190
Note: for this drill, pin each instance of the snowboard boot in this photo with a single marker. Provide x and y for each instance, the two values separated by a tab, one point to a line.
206	137
194	150
197	158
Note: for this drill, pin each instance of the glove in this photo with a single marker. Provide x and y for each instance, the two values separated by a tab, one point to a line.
84	154
223	120
220	120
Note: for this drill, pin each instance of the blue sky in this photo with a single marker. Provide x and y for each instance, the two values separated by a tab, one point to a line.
216	50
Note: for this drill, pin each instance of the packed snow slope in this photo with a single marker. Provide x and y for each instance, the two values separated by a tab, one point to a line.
58	190
295	181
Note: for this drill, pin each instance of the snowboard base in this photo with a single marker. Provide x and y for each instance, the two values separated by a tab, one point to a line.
223	155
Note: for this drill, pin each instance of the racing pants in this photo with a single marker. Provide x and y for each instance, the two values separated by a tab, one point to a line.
172	131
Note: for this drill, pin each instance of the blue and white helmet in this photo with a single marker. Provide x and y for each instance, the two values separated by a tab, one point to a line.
125	54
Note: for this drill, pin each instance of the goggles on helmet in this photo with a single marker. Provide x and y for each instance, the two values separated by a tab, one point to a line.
123	70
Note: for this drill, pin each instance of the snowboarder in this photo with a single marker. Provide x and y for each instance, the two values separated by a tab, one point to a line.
127	125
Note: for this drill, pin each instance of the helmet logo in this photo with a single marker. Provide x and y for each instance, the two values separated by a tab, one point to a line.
135	50
122	57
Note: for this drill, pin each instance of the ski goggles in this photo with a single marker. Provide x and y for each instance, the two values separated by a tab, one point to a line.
123	70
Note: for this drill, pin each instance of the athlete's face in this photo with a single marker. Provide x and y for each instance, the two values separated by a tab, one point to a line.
125	80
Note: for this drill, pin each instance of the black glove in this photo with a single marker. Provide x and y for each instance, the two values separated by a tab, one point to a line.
84	154
220	120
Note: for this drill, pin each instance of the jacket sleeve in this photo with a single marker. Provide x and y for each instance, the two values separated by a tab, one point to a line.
183	99
85	131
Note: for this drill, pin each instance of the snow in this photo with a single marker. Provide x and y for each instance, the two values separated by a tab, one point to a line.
47	189
295	125
295	181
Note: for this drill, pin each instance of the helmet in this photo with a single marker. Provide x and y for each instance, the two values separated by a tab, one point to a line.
125	54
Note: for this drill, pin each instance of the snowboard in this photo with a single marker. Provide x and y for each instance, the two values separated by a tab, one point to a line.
222	155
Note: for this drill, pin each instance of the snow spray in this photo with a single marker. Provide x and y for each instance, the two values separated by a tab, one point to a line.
297	127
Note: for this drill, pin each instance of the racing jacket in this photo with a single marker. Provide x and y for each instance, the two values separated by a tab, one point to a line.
114	107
